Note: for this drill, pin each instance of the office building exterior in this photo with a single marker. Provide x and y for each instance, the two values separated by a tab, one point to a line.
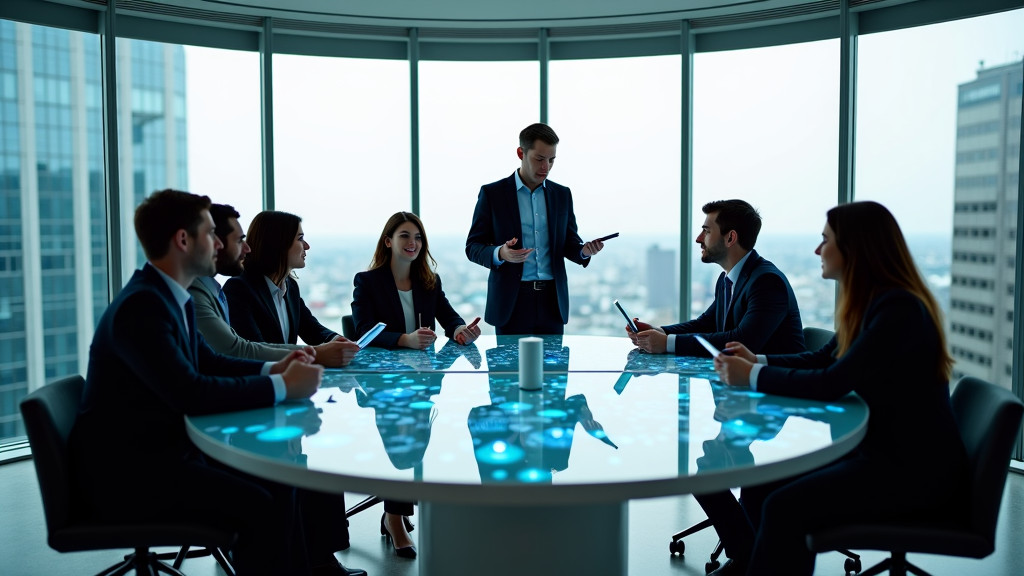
985	223
53	231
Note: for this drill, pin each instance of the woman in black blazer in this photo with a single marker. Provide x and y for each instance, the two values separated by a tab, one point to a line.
402	290
890	349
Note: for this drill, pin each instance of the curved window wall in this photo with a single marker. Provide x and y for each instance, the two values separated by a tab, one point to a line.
341	161
764	105
766	131
938	136
618	121
470	115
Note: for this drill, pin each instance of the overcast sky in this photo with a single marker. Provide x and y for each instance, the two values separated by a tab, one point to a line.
766	130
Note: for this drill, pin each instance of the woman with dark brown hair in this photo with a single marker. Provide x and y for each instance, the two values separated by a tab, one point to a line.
890	349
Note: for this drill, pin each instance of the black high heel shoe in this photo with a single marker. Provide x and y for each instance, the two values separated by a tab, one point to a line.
404	552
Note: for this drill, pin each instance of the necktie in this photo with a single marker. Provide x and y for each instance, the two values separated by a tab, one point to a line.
728	302
223	304
190	320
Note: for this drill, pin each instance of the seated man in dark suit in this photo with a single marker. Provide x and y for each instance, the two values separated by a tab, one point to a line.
754	302
148	367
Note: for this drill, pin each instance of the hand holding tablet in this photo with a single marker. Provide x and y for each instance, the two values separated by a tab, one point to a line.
372	333
708	346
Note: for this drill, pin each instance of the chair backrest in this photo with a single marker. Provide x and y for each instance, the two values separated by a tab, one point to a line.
989	418
49	414
348	327
815	338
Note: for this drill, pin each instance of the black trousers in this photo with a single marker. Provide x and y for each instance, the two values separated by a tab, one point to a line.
535	311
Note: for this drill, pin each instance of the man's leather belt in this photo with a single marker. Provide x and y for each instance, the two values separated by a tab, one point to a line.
538	284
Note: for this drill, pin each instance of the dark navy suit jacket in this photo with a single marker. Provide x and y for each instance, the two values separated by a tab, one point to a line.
763	315
254	314
496	220
145	373
891	365
376	300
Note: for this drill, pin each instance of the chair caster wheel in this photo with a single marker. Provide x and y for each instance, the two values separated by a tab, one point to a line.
711	566
677	547
852	566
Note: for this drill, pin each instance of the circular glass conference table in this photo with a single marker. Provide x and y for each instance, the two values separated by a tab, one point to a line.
510	481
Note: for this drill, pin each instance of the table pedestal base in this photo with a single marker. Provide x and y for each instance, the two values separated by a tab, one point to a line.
459	539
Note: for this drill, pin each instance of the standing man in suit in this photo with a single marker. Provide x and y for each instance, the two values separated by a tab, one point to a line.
148	367
753	300
212	312
523	230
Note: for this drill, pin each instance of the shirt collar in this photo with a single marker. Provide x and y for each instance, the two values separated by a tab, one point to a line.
211	283
734	274
275	289
180	294
520	185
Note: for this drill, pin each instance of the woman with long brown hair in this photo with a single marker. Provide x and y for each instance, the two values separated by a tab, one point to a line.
402	290
890	349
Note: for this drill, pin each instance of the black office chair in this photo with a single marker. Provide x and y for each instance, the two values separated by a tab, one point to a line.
348	327
989	418
814	338
49	414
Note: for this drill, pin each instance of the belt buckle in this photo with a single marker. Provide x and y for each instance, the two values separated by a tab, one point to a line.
538	285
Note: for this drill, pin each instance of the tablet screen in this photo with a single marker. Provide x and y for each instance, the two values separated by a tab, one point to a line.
372	333
629	321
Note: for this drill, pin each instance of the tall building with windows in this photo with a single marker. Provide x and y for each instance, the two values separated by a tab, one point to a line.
985	223
53	230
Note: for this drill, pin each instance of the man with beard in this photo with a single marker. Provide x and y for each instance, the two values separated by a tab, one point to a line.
322	515
212	312
148	367
754	302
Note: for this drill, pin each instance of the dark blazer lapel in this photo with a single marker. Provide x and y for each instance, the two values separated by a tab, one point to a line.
153	278
292	303
554	206
741	283
260	285
511	207
722	309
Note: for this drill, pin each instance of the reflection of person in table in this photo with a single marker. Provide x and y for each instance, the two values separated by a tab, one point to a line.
404	412
526	436
890	349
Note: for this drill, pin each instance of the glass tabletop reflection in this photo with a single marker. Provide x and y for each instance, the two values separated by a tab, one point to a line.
460	430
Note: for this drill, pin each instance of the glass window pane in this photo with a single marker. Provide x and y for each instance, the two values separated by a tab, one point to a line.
619	125
53	277
938	143
766	131
341	157
471	114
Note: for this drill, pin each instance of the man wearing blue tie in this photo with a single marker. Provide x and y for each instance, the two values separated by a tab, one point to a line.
754	302
212	312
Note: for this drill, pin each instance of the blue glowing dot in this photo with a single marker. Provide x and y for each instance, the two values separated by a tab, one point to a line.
514	406
499	453
393	393
534	475
255	428
424	405
418	387
296	410
280	434
229	429
556	432
499	474
753	394
684	395
553	413
599	434
832	408
815	410
740	428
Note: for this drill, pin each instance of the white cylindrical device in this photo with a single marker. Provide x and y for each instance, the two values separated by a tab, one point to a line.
531	363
